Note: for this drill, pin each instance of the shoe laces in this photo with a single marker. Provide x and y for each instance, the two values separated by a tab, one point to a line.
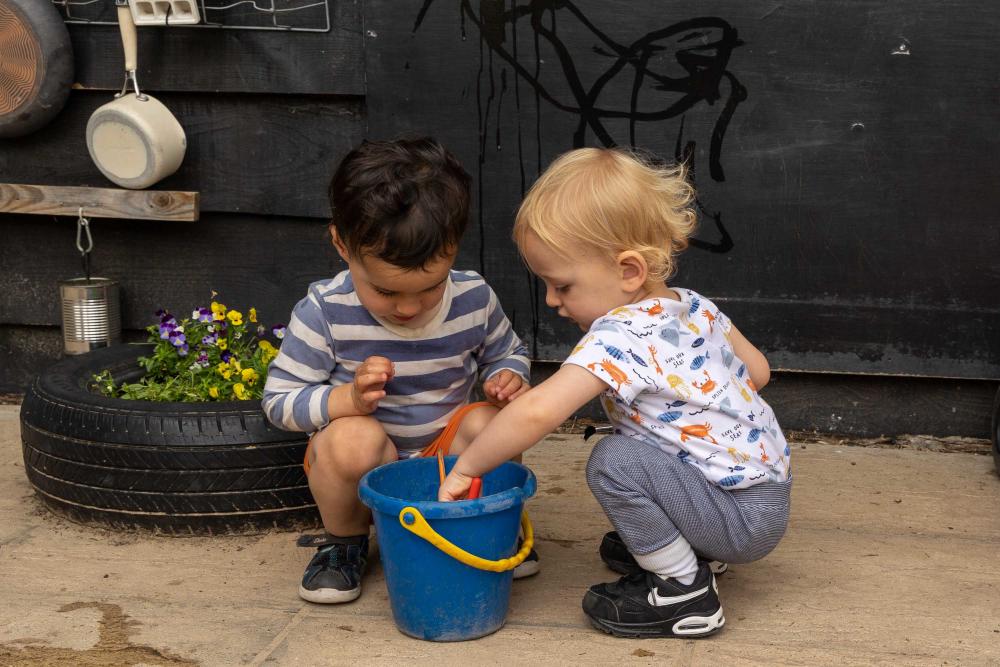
334	555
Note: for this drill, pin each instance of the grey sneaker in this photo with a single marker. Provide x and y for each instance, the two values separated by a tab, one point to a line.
334	573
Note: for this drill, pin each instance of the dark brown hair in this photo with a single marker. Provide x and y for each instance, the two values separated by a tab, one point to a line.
405	202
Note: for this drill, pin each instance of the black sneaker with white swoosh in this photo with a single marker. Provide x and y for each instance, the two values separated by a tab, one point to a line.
642	604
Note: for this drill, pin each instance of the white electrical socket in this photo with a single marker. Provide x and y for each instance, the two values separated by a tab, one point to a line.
164	12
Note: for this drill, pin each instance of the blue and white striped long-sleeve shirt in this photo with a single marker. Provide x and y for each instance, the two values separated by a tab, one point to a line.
330	334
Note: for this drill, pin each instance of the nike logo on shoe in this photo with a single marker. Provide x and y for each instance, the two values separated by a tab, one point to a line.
658	600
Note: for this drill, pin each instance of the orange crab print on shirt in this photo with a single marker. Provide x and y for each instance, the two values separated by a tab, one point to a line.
675	383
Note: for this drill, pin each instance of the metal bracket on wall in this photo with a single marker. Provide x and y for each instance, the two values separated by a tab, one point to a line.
285	15
169	205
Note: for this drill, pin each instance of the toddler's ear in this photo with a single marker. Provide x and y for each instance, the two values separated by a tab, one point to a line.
338	244
633	269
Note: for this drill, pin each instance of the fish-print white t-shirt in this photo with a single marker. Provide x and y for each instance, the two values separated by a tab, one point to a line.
674	382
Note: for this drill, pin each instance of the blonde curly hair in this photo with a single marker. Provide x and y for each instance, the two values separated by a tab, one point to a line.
611	200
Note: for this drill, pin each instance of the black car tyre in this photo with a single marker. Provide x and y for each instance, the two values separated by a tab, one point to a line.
176	468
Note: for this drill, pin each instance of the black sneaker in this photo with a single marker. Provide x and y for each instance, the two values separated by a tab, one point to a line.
616	555
643	605
529	566
334	573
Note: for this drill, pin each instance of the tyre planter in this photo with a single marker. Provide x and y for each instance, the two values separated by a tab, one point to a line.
176	468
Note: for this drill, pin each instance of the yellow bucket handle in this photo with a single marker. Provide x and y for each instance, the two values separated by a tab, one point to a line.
419	527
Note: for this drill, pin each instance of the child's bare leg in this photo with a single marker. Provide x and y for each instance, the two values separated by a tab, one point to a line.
473	422
340	455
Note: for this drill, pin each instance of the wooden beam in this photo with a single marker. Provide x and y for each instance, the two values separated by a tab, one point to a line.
172	205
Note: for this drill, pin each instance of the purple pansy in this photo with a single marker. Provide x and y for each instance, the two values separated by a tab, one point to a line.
226	356
202	315
177	338
167	328
182	350
210	339
278	330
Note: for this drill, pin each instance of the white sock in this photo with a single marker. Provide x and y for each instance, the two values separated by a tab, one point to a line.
674	561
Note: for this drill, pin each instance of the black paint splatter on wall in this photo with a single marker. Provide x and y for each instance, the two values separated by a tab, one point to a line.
701	47
660	76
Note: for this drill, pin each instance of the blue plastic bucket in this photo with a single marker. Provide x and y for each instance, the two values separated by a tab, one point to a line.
433	595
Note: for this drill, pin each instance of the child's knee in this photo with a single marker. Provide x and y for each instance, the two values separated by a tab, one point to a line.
472	425
351	446
608	455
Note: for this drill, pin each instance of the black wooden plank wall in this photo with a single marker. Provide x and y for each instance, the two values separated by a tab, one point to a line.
267	116
845	154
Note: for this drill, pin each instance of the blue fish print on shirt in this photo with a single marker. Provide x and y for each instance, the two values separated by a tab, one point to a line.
754	434
727	356
698	342
731	480
743	369
638	359
695	302
613	351
669	416
676	404
699	361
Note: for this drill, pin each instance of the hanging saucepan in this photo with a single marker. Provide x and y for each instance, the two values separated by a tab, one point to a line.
36	65
134	140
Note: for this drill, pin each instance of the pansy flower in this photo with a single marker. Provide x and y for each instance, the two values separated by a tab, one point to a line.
253	315
249	376
213	392
236	317
218	311
176	337
239	391
278	330
226	356
210	339
202	315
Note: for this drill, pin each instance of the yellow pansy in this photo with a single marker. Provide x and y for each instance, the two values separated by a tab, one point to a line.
213	392
253	314
239	391
222	367
218	311
235	316
222	344
249	376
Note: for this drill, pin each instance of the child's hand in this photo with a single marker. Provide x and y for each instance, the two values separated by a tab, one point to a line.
369	383
504	387
455	487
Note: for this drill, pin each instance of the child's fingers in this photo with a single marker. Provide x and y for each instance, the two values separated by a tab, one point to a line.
455	487
504	378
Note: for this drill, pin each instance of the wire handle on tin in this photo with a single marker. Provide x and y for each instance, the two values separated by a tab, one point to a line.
83	230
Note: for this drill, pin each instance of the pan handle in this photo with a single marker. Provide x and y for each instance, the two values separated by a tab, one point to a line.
130	43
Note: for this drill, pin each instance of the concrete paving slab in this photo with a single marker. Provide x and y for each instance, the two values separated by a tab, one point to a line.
890	559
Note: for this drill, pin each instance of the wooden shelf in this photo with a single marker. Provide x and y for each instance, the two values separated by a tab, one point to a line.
170	205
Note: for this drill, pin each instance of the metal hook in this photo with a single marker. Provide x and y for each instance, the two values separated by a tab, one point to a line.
83	227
